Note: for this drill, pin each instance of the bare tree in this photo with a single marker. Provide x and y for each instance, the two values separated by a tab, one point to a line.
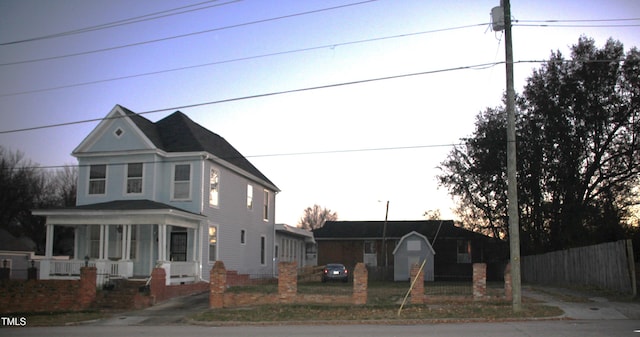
314	217
433	214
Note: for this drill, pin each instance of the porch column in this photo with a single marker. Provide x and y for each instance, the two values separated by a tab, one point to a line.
129	230
162	242
196	250
104	242
49	241
76	254
126	242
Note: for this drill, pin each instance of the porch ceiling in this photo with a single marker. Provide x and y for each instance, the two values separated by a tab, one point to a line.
131	212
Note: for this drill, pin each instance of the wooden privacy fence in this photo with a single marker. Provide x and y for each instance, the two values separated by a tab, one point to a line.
608	266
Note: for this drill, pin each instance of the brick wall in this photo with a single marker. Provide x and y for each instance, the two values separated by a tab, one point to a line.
417	292
360	284
217	285
479	281
49	295
287	281
287	289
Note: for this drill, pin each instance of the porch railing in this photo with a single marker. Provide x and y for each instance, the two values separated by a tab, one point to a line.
71	268
66	267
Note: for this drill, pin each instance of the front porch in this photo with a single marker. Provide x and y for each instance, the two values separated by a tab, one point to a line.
126	241
178	272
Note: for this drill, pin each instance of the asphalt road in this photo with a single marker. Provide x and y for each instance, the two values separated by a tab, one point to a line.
568	328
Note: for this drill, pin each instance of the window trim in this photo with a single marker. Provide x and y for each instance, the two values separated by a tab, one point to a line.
173	182
126	180
104	180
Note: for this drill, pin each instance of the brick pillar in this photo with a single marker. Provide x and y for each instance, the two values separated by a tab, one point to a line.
287	281
417	292
88	285
479	281
508	290
360	280
158	284
217	285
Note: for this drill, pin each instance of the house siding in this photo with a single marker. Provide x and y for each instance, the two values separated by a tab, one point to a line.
231	215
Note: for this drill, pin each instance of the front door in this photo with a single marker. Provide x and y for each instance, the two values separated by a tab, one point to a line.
178	247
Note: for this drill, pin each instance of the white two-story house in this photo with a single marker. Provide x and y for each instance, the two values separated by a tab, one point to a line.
170	194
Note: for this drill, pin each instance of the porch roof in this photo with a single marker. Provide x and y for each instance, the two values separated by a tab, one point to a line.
121	212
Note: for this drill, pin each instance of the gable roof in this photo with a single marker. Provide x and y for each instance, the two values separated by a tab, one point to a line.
178	133
414	233
362	230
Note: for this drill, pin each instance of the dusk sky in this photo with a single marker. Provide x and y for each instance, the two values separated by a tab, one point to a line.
349	146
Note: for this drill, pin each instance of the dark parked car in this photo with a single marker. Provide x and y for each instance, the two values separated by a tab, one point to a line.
335	271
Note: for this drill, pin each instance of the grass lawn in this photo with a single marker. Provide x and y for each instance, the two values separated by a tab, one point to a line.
384	300
314	313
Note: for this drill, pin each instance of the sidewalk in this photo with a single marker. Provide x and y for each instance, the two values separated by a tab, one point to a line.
582	305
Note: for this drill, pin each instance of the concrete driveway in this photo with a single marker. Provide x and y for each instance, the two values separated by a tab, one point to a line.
170	312
583	305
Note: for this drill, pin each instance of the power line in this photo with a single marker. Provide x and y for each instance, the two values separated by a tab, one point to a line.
186	35
577	25
284	154
576	20
275	93
334	45
298	90
136	19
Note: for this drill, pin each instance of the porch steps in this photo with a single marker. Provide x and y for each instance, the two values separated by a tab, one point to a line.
122	294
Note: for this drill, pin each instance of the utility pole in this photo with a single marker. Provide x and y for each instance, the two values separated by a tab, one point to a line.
512	184
384	237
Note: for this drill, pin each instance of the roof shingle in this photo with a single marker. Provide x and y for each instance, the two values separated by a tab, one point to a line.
178	133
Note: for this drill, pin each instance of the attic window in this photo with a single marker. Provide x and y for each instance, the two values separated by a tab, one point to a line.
119	132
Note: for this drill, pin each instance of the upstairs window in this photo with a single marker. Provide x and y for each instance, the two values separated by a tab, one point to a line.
243	236
249	197
134	178
182	181
214	187
97	179
265	208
